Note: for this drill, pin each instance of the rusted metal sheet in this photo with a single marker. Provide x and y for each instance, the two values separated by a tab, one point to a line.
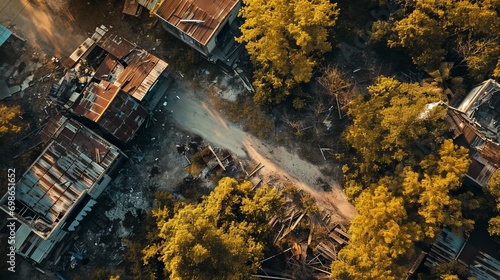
115	45
95	100
78	53
131	7
61	175
197	18
123	117
115	111
491	152
141	73
150	80
105	68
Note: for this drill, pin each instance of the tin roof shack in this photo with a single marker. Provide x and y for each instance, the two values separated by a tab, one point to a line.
478	253
4	34
113	83
205	25
112	109
476	124
61	186
108	57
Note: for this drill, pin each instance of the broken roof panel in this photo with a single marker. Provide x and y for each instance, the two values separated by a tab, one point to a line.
482	108
115	111
491	152
106	67
141	73
198	18
95	100
67	169
115	45
78	53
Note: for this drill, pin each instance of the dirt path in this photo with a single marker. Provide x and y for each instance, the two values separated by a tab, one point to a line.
44	24
195	115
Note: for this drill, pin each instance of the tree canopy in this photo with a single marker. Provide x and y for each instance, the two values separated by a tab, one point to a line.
401	210
494	189
284	39
390	126
434	31
381	237
403	178
7	115
219	238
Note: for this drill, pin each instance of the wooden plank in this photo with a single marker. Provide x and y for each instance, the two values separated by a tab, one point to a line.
343	233
337	238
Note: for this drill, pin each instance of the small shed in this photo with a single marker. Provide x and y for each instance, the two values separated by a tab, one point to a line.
4	34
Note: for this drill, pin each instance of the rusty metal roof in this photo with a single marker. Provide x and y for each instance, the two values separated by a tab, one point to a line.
115	45
210	14
106	67
78	53
491	152
95	100
73	162
141	73
148	4
115	111
123	117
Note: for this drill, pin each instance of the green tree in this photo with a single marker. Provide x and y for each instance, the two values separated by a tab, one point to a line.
382	239
284	39
219	238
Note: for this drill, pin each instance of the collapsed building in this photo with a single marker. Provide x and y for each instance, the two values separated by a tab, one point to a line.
208	27
60	188
112	82
476	125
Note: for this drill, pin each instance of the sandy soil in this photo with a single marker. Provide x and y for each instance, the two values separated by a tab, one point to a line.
48	25
196	115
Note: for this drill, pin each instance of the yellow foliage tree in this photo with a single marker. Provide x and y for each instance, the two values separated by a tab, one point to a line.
7	114
382	239
431	30
219	238
494	189
284	39
431	189
387	128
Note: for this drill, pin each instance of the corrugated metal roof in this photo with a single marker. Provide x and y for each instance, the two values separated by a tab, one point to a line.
115	111
78	53
210	13
115	45
95	100
491	152
148	4
105	68
4	34
142	71
67	168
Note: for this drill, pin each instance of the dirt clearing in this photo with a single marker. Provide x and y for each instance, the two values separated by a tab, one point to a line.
196	115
